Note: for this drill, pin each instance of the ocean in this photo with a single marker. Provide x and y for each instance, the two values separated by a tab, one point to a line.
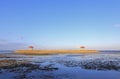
6	51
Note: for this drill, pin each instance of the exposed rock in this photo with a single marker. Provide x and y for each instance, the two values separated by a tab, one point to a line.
4	56
94	64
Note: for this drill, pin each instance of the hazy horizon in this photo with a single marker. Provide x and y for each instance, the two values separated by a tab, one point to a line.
60	24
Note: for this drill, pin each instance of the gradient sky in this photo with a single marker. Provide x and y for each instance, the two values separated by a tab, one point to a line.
59	24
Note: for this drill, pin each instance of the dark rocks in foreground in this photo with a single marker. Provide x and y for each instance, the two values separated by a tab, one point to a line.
22	68
99	65
8	64
4	56
93	64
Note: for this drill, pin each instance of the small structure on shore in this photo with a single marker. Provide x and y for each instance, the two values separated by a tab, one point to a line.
82	47
31	47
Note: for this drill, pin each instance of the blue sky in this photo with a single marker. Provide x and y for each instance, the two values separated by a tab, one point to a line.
59	24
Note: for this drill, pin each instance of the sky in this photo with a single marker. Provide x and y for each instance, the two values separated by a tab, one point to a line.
60	24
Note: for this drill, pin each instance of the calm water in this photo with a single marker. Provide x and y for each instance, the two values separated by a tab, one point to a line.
71	66
6	51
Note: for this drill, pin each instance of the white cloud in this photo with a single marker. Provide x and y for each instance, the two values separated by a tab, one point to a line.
116	25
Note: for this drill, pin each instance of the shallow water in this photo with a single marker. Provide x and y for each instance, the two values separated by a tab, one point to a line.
69	66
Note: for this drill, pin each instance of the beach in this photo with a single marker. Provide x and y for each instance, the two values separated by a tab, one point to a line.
48	52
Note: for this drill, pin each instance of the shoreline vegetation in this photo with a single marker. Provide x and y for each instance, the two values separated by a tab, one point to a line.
48	52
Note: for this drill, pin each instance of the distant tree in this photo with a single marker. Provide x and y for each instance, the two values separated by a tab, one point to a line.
31	47
82	47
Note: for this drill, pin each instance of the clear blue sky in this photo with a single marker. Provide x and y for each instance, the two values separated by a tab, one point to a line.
60	24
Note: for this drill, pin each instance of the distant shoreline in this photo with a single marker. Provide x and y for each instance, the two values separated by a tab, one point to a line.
45	52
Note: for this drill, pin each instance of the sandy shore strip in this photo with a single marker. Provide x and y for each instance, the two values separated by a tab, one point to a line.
47	52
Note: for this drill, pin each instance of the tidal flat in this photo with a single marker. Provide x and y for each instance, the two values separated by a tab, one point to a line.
61	66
